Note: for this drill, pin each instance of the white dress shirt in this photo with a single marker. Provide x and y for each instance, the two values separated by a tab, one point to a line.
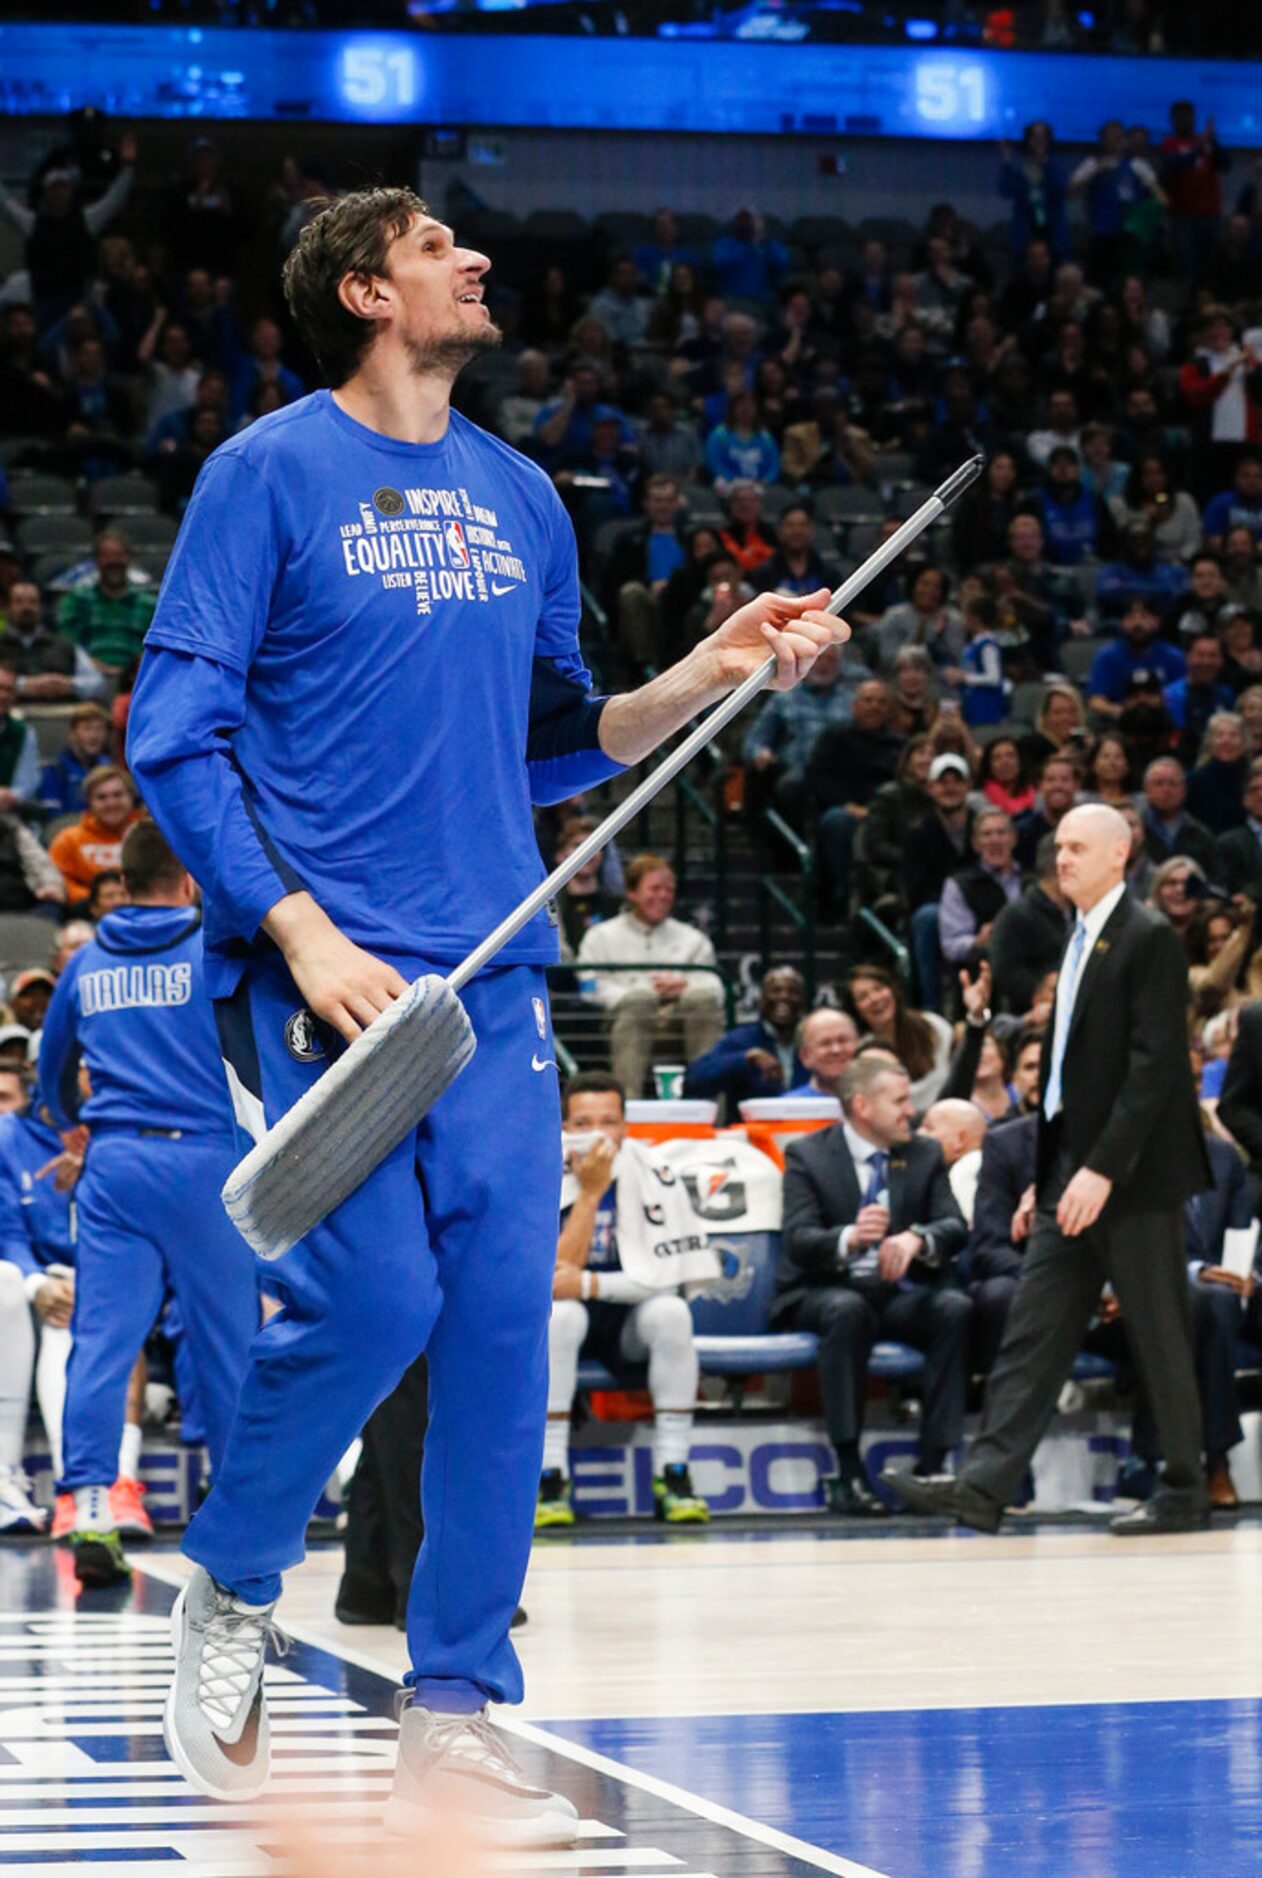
1094	923
861	1152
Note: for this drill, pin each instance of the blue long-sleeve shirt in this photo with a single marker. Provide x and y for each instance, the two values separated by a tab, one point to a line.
363	669
34	1217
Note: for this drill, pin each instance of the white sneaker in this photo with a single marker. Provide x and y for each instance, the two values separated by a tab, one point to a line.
456	1768
215	1719
18	1512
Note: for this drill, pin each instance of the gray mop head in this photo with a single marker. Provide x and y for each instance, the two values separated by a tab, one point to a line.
360	1109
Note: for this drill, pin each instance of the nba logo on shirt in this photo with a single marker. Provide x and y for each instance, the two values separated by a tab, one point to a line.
457	546
541	1022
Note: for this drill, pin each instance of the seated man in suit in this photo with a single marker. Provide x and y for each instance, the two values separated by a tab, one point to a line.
1240	849
870	1231
1003	1212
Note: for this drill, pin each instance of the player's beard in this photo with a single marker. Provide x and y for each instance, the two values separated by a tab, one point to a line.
448	355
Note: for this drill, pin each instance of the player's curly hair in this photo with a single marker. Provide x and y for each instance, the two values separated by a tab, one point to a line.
351	236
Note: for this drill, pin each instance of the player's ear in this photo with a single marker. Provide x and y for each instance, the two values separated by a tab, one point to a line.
367	296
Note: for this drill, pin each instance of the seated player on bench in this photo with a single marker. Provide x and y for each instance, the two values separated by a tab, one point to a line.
600	1310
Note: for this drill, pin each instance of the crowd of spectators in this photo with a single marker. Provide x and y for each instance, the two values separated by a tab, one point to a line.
729	410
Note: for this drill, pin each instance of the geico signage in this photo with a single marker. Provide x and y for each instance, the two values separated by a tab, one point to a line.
779	1473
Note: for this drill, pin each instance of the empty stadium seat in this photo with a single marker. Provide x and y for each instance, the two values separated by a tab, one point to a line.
25	940
851	504
131	494
151	531
32	493
1077	656
70	535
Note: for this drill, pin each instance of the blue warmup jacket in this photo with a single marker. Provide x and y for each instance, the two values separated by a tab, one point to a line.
723	1070
363	669
34	1217
132	1005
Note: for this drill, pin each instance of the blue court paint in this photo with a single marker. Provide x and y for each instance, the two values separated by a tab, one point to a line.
1132	1790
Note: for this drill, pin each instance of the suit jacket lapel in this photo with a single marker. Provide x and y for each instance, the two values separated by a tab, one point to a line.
898	1181
846	1178
1095	959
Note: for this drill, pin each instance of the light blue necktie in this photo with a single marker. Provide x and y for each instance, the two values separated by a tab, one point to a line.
1065	992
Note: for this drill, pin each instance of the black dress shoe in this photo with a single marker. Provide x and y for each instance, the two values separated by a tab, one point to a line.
1170	1509
361	1601
852	1498
943	1497
518	1618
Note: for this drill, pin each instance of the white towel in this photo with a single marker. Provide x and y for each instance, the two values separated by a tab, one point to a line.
661	1242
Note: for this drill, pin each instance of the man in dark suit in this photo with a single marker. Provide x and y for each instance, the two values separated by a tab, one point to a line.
1119	1151
1002	1218
870	1231
1240	849
1029	936
1240	1104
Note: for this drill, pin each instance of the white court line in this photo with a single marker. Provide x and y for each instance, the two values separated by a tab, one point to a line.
691	1802
613	1770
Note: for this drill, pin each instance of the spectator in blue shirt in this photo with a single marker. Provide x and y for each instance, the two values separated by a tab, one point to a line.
1193	699
1034	182
656	258
563	429
756	1059
1138	575
262	364
88	734
1115	184
1075	523
1137	649
827	1042
745	264
741	449
1238	507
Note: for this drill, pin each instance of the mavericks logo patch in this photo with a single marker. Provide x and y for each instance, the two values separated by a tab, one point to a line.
302	1038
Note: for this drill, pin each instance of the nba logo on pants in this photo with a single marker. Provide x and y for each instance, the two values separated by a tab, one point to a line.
457	546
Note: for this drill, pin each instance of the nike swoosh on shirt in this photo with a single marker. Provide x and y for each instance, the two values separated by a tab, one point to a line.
547	1063
497	589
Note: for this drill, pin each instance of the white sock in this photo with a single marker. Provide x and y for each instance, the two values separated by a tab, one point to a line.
672	1438
129	1452
662	1327
17	1361
92	1509
556	1445
50	1387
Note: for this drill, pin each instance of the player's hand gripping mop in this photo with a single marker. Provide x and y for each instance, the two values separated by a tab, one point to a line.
385	1081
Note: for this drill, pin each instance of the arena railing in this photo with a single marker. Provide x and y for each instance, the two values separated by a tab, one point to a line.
774	894
889	941
580	1026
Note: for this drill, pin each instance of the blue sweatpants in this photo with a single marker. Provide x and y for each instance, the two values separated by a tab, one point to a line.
150	1218
449	1246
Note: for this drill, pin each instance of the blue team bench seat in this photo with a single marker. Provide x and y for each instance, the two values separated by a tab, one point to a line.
895	1362
760	1354
593	1375
1090	1368
1248	1356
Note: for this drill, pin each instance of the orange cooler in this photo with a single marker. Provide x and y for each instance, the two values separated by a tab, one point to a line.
772	1121
678	1120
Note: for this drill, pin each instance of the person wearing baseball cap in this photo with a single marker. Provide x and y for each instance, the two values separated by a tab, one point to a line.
29	994
935	849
